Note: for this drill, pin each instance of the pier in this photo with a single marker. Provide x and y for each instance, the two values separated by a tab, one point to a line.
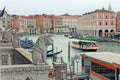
79	77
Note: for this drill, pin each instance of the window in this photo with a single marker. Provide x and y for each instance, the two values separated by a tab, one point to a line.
112	17
106	17
106	23
112	23
4	59
100	23
29	78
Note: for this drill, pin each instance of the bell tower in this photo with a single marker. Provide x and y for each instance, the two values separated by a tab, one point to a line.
109	7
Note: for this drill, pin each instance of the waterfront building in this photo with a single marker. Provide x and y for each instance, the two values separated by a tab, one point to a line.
101	65
97	23
65	23
14	22
70	21
59	27
5	22
19	23
31	25
51	17
118	22
39	23
47	24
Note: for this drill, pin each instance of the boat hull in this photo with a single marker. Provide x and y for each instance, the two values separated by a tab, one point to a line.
95	49
50	54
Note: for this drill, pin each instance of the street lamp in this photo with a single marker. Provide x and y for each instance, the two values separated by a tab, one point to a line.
77	58
72	67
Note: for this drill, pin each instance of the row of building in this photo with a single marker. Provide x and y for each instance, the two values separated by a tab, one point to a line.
97	23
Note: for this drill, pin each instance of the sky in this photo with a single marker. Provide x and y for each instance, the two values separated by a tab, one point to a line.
56	7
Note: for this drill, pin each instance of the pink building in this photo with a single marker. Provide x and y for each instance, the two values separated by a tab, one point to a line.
97	23
118	22
19	23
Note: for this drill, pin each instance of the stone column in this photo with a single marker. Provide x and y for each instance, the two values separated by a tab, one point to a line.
0	59
0	72
9	59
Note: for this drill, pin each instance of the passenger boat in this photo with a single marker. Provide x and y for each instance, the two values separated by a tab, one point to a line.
84	45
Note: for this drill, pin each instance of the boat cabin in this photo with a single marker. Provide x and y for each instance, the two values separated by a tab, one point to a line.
84	45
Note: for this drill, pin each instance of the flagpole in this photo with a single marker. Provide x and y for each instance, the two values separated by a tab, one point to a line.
2	12
69	53
69	59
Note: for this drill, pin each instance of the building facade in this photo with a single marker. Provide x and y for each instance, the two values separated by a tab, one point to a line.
5	22
46	24
19	23
118	22
98	23
65	24
59	27
31	25
71	22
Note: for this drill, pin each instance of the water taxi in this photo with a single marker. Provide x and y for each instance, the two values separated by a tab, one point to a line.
84	45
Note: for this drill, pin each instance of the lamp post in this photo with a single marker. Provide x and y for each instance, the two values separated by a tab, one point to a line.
77	58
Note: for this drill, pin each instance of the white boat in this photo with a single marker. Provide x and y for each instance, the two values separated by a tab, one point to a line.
84	45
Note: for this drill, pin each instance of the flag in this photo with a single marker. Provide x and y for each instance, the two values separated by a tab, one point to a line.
1	14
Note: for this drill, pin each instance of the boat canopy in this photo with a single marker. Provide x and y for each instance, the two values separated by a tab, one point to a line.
86	41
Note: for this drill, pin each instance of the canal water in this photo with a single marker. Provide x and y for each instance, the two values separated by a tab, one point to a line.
61	42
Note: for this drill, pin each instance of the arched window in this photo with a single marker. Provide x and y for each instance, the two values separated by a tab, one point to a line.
112	23
100	23
100	33
106	24
112	17
106	33
27	78
106	17
111	31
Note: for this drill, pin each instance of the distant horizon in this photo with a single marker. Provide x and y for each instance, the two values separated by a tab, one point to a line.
56	7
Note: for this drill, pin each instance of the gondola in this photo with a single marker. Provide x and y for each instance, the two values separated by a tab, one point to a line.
51	53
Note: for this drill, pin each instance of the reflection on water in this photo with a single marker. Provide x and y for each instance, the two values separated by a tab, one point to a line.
109	47
61	42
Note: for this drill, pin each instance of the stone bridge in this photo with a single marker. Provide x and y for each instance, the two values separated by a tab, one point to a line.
17	64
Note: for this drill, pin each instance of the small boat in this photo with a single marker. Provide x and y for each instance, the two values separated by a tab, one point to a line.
51	53
66	35
84	45
26	44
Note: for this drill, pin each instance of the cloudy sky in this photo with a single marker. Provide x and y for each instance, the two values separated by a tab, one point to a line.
57	7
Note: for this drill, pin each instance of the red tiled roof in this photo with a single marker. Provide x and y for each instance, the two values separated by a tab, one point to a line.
103	11
70	16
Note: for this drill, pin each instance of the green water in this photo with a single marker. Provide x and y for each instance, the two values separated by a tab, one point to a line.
61	42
